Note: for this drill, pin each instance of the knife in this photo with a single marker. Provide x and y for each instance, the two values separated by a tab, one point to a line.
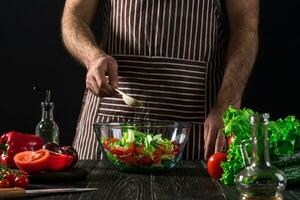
20	192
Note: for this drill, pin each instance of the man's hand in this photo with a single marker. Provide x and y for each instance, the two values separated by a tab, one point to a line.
213	139
96	80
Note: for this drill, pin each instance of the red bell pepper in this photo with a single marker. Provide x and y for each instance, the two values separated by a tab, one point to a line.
14	142
59	161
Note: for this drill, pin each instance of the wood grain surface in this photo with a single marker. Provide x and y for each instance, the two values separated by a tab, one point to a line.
189	180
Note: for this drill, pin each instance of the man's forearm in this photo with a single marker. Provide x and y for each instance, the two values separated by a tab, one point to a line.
243	18
79	39
240	58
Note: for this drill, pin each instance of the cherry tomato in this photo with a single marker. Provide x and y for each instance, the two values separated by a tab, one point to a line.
229	140
32	161
214	164
10	176
21	181
4	183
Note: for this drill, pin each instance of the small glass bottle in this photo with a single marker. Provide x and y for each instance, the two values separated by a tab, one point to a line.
47	127
259	179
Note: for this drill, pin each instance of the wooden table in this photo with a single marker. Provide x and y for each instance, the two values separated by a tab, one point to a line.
188	181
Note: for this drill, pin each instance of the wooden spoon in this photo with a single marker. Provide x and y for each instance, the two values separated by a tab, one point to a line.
130	101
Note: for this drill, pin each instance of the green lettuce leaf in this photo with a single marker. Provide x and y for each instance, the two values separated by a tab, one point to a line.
283	135
284	139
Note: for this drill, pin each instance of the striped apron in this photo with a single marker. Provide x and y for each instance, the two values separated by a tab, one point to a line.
171	57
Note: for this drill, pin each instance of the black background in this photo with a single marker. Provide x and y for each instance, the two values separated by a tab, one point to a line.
32	55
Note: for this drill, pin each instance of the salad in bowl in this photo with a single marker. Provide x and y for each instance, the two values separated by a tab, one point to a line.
144	146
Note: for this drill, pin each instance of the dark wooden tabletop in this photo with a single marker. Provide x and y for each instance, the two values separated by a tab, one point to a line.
189	180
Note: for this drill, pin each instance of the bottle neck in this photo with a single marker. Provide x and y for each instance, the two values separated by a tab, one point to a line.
260	142
47	114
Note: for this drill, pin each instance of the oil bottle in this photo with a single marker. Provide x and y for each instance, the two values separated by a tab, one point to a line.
259	180
47	127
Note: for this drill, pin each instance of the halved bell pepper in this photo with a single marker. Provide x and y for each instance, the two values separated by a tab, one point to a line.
58	161
14	142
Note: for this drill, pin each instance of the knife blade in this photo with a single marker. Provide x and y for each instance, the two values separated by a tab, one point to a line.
20	192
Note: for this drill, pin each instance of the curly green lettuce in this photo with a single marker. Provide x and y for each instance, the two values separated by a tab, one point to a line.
284	138
235	122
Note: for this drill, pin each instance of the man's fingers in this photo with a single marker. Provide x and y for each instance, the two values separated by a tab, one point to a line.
220	142
209	144
113	74
206	129
93	86
206	135
109	90
105	89
98	79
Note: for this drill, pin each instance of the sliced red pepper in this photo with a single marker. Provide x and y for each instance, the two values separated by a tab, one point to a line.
14	142
32	161
59	162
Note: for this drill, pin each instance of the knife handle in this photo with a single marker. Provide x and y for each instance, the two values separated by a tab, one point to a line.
8	193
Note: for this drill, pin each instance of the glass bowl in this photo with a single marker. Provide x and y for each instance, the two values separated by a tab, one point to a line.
142	146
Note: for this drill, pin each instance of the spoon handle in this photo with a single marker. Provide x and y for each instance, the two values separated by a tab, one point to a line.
119	91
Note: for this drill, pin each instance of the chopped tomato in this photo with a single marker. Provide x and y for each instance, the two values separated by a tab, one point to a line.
176	149
112	140
59	162
129	160
157	156
139	150
106	143
32	161
122	151
146	160
162	148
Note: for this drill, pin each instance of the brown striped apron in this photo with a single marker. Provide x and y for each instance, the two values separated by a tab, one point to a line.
171	57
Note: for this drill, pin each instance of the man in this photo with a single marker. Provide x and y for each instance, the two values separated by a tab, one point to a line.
170	54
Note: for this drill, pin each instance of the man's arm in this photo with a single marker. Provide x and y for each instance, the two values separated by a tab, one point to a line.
242	50
243	18
76	32
80	42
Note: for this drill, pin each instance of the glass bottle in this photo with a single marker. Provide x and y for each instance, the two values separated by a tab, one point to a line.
47	127
259	179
